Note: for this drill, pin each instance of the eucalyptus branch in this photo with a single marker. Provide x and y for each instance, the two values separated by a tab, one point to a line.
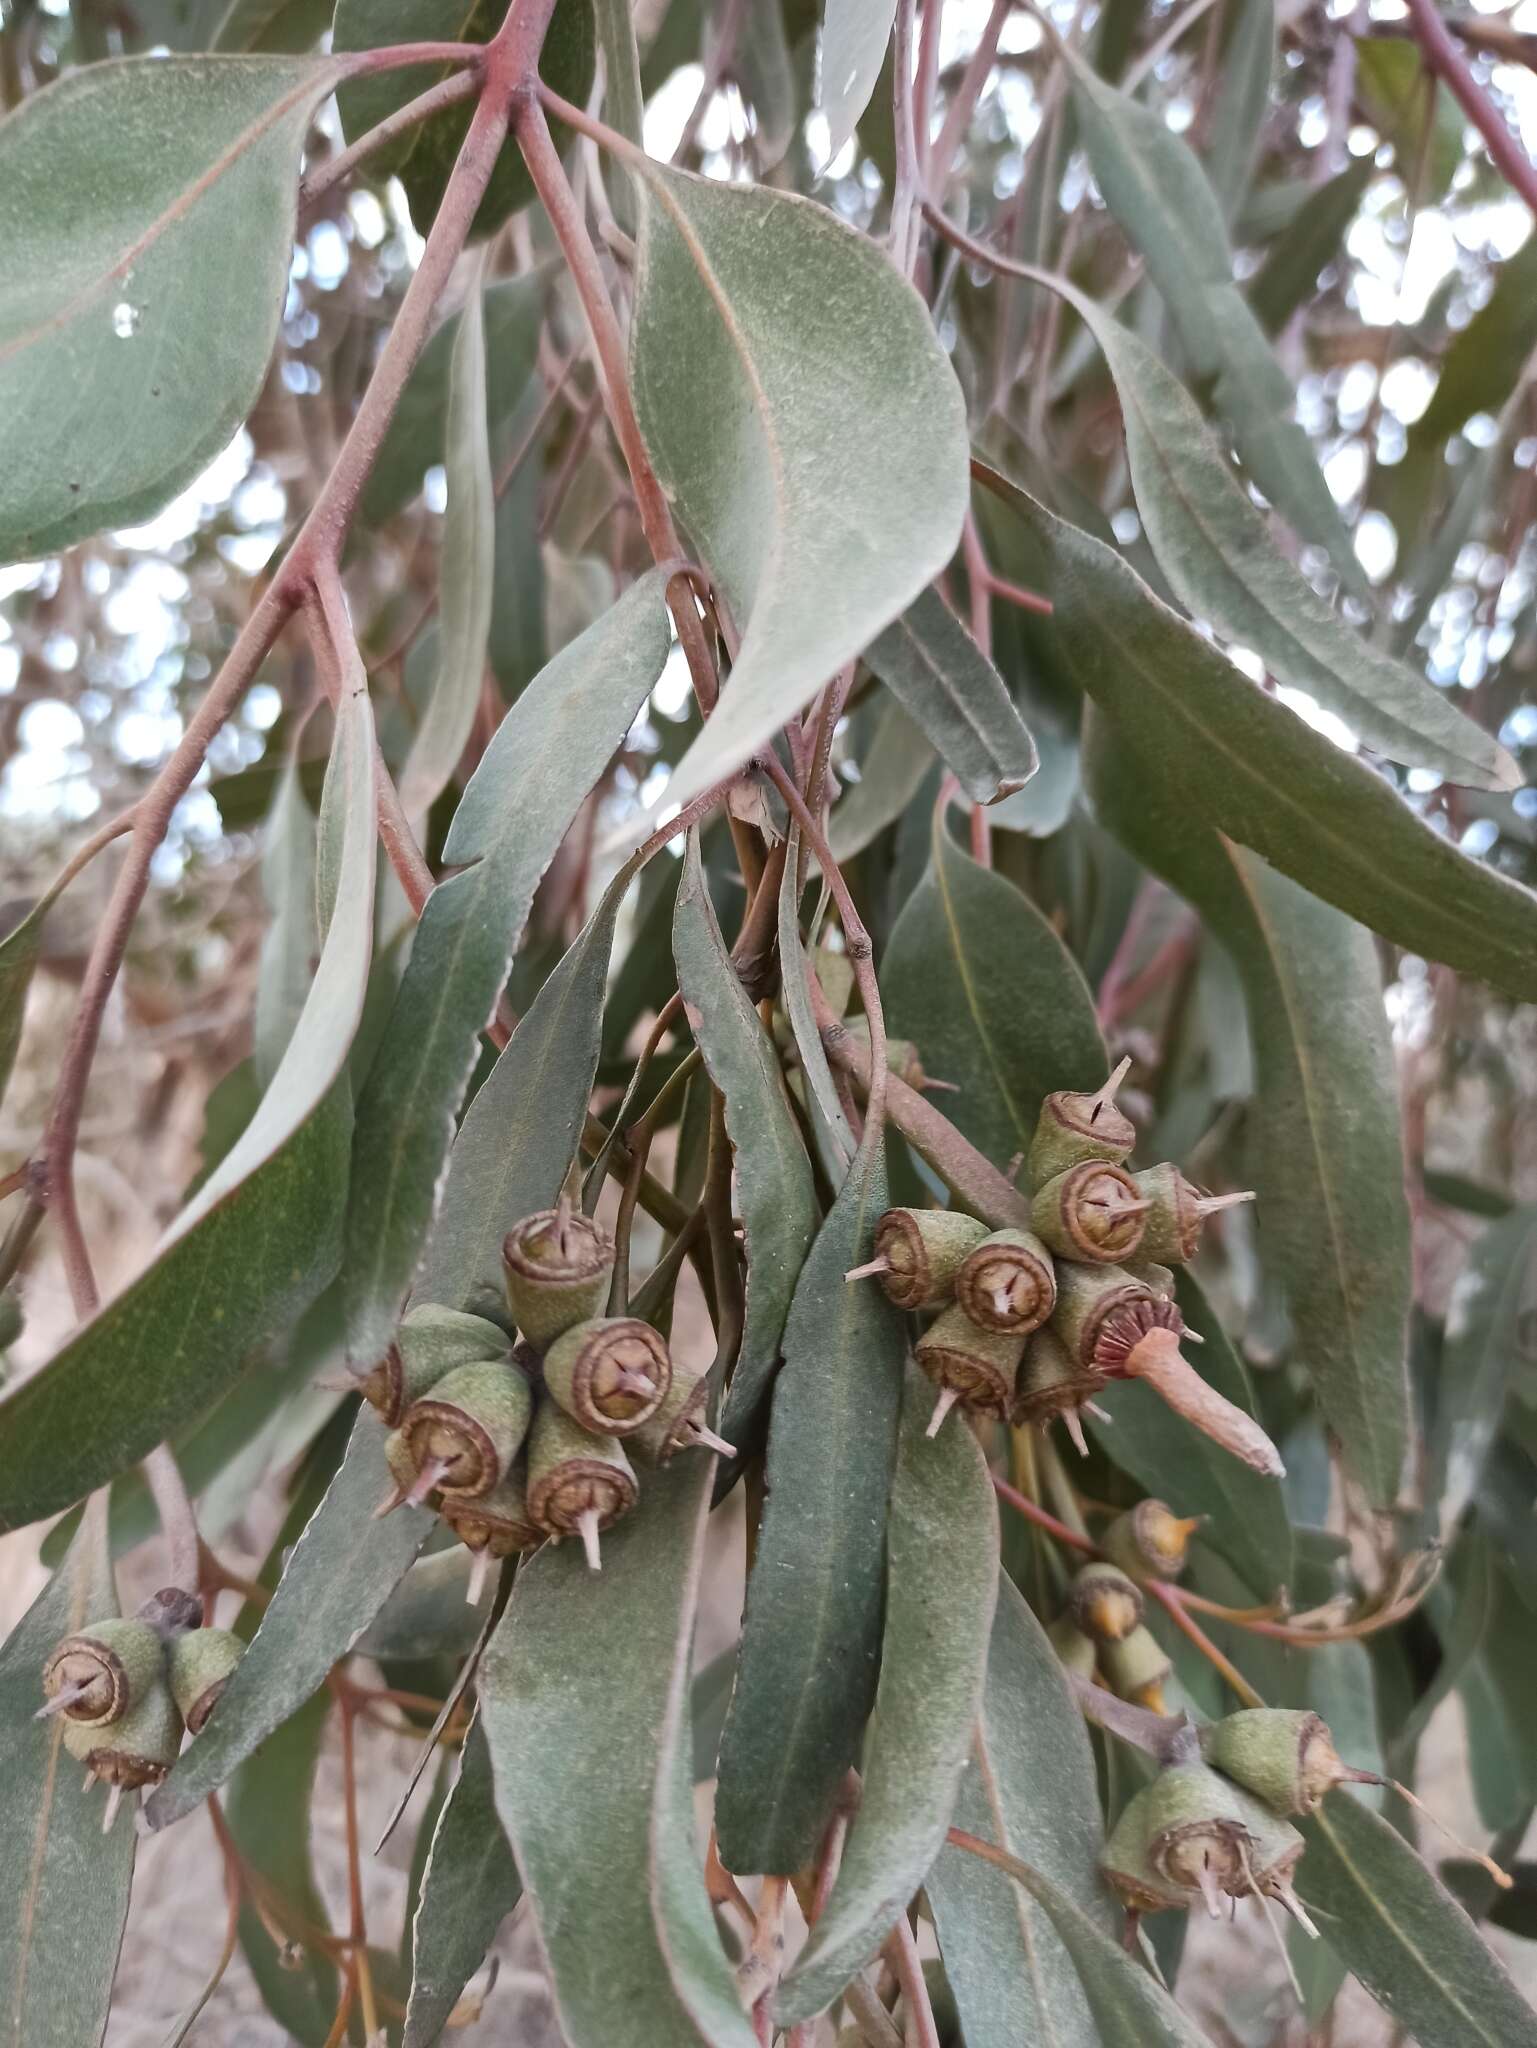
448	92
1448	63
1170	1738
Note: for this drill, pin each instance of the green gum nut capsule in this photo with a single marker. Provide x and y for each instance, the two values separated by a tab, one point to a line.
578	1484
201	1664
131	1753
1091	1212
1076	1651
430	1342
681	1423
558	1265
1073	1127
976	1367
1104	1604
1177	1212
610	1374
1051	1382
919	1252
99	1674
1008	1282
1270	1856
466	1433
1284	1756
1150	1541
1160	1279
1128	1865
1087	1296
496	1525
901	1054
1200	1839
1136	1668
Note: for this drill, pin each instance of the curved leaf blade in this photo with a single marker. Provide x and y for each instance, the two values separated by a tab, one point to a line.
19	952
1325	1150
940	676
941	1589
811	1638
808	427
471	1885
583	1697
1485	1317
774	1192
343	1568
256	1243
137	314
1403	1934
992	999
1239	760
548	752
850	53
63	1888
1029	1788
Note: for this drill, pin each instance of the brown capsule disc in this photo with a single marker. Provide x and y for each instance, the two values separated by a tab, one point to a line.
558	1264
384	1388
580	1486
1051	1382
90	1677
1008	1283
610	1374
1093	1212
453	1447
979	1366
923	1250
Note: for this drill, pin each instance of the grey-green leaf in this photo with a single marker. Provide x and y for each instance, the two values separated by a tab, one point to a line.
1289	275
1404	1935
18	957
343	1569
258	1240
891	771
1240	102
471	1886
520	1133
931	664
468	563
808	427
290	941
547	753
850	54
1239	760
1325	1150
811	1638
1245	1511
1030	1789
63	1889
1154	185
774	1194
941	1589
1217	553
584	1700
1492	1298
992	999
134	335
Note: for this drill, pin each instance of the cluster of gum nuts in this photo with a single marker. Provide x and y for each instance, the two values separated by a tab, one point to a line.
1101	1634
518	1444
127	1687
1033	1322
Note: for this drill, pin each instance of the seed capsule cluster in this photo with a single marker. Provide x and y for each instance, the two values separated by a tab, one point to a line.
126	1688
1032	1322
516	1444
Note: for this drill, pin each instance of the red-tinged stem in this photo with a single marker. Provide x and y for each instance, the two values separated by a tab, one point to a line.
905	185
901	1951
1023	1505
560	203
448	92
960	110
1016	594
1169	1600
1447	61
400	56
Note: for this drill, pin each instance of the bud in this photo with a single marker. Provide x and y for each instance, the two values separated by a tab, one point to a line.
1008	1283
1104	1603
1284	1756
430	1342
100	1674
202	1662
578	1483
1177	1212
1072	1127
919	1252
1092	1211
975	1367
1075	1650
558	1265
681	1423
610	1374
1150	1541
1136	1668
465	1434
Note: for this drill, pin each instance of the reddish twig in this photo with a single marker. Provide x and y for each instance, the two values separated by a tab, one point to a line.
1445	59
448	92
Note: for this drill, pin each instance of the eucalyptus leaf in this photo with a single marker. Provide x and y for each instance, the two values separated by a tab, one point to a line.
811	1637
831	1126
624	102
1325	1149
427	1615
774	1193
892	766
1492	1299
1288	277
137	314
256	1243
471	1885
547	753
275	26
63	1888
423	156
1217	553
1403	1934
1487	358
941	1590
291	937
1240	102
992	999
343	1568
940	676
1030	1789
850	54
1410	108
19	951
584	1695
808	428
1236	759
469	563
